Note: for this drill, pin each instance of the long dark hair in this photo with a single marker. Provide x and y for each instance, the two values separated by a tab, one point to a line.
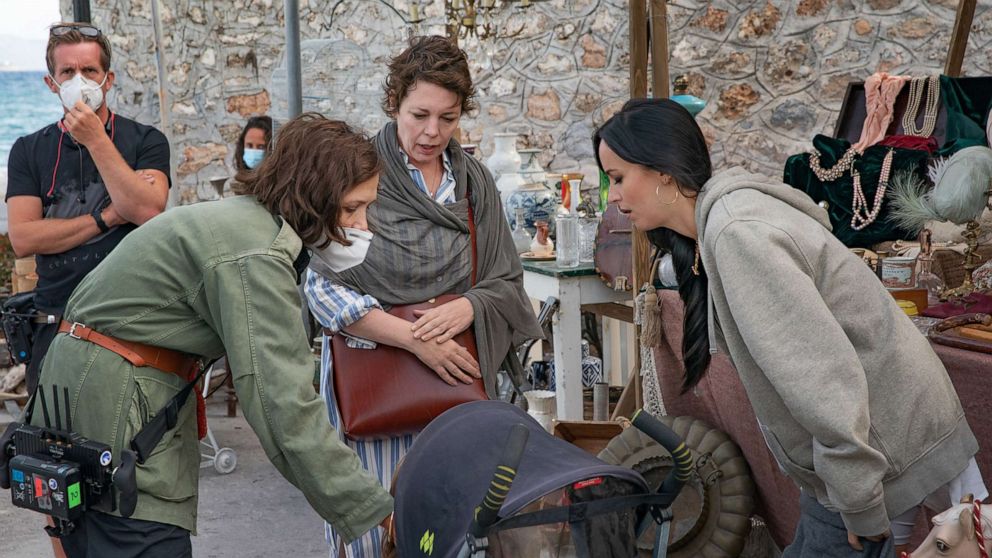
660	134
263	123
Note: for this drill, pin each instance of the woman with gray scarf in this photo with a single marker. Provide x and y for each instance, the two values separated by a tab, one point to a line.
420	248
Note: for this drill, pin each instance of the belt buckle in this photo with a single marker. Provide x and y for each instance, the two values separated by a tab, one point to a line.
72	330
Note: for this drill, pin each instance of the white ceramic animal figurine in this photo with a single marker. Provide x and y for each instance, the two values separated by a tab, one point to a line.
542	245
956	534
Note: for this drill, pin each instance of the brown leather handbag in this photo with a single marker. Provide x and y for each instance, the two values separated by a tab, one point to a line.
388	391
613	258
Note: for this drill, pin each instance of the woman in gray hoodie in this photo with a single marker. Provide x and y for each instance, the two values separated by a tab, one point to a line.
852	401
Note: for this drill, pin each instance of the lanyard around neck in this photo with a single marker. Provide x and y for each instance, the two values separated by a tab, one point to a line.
58	154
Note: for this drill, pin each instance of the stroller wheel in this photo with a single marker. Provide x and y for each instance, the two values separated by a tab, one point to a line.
225	461
712	513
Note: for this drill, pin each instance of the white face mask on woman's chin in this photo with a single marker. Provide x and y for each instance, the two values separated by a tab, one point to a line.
79	88
339	257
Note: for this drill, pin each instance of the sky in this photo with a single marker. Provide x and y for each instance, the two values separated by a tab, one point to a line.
24	31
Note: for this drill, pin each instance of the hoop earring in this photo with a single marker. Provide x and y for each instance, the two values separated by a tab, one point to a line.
657	194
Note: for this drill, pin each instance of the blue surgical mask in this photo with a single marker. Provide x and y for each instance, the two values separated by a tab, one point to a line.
253	157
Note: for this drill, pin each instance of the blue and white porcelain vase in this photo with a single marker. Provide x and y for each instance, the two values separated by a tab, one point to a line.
539	203
533	196
592	368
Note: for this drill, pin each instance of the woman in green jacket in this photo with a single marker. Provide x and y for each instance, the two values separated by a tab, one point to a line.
210	279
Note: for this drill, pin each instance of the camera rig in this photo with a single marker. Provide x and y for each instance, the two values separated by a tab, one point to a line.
61	474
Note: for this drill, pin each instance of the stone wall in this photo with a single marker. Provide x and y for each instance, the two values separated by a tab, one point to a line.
773	72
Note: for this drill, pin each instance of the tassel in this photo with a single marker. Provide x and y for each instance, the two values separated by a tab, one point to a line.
650	319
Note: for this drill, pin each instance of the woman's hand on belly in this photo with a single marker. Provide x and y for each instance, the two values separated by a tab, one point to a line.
449	360
444	322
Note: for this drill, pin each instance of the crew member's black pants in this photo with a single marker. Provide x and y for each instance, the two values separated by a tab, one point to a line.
101	535
43	335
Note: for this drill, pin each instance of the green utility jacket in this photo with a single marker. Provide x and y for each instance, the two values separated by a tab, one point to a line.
207	279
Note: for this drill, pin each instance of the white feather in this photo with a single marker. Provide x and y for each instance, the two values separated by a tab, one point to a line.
936	168
911	206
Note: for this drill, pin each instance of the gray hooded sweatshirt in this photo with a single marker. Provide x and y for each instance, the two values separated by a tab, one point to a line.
852	400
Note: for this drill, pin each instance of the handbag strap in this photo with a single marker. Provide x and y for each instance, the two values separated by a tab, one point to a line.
471	230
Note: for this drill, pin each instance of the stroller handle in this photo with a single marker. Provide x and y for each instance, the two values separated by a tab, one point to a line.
487	512
681	456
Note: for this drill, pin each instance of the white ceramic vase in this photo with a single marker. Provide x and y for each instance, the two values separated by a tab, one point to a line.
505	158
541	406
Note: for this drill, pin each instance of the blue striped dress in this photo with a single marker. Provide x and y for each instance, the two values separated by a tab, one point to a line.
336	307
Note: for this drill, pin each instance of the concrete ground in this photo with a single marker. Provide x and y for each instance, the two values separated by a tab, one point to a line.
252	511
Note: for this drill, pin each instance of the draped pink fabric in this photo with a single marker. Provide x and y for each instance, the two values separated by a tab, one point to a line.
881	90
720	400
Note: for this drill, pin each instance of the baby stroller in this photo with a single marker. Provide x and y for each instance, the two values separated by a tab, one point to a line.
485	480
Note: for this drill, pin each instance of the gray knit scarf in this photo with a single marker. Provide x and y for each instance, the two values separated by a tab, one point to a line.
421	249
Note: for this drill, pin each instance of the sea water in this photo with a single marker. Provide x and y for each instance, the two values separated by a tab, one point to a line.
26	105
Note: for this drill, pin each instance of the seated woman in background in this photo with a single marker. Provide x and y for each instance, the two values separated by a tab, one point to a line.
853	402
421	248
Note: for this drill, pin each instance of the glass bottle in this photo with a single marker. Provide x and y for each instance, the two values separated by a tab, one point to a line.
926	278
567	230
588	227
521	238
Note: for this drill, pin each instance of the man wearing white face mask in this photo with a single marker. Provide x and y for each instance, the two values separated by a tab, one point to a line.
78	186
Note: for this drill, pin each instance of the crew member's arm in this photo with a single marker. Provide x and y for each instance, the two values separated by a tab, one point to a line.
134	198
255	308
30	233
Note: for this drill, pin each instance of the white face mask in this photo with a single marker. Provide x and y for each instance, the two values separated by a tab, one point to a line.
339	257
80	88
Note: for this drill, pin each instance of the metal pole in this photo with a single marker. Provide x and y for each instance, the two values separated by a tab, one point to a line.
165	119
294	78
81	11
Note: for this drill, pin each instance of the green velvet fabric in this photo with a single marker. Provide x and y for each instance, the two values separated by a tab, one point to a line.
839	194
967	103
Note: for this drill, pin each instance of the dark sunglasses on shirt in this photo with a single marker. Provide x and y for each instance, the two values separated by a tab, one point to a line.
84	29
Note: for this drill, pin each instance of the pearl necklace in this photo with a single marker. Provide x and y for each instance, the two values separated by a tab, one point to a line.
931	85
862	216
835	172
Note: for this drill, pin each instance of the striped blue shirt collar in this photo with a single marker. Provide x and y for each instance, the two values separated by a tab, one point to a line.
446	191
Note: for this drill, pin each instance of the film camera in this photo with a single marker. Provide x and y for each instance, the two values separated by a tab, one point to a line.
62	474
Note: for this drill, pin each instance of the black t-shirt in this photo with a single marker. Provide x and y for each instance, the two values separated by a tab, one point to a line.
38	166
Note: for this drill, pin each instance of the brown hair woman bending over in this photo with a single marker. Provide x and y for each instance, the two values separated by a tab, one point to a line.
200	281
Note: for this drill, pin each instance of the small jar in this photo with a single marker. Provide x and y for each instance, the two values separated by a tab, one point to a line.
899	272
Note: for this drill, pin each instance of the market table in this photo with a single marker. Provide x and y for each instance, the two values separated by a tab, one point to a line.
720	400
574	288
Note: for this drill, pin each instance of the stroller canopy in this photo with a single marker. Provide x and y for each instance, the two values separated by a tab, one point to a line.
447	472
